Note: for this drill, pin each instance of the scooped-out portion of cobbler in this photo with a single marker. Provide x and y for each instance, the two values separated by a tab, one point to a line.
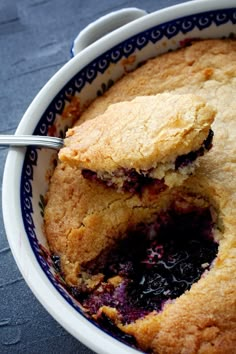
153	261
153	264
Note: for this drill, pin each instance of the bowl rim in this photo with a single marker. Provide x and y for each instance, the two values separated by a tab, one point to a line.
69	318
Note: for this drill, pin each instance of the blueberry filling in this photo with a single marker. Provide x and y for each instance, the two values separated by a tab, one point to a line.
135	182
185	160
154	263
57	262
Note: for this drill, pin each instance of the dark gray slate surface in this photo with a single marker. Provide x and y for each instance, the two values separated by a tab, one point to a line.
35	41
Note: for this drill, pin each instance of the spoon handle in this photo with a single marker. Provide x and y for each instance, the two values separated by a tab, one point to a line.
34	140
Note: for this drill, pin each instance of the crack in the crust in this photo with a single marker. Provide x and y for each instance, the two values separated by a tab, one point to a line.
82	223
117	226
110	205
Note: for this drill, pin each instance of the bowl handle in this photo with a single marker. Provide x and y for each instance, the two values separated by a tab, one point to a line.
103	26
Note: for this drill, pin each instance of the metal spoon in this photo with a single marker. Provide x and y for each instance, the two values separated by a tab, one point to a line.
34	140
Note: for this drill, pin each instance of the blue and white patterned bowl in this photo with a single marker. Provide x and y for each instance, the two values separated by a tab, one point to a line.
87	75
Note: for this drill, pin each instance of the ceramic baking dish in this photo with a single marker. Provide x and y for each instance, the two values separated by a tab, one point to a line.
99	52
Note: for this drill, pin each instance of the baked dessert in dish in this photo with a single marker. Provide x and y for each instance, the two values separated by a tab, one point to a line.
151	137
157	268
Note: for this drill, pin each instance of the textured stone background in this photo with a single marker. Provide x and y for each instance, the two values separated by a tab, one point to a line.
35	41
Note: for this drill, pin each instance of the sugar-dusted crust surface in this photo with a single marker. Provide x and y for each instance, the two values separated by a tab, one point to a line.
81	218
140	133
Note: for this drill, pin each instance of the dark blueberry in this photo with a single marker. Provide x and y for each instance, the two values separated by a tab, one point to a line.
208	142
74	291
88	174
184	160
57	262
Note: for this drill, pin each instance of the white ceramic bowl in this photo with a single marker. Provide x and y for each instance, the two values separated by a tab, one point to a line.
86	75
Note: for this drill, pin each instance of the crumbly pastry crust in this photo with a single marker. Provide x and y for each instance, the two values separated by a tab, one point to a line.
172	125
83	218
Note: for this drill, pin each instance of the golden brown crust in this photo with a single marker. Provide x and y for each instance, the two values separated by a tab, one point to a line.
142	133
189	70
203	320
